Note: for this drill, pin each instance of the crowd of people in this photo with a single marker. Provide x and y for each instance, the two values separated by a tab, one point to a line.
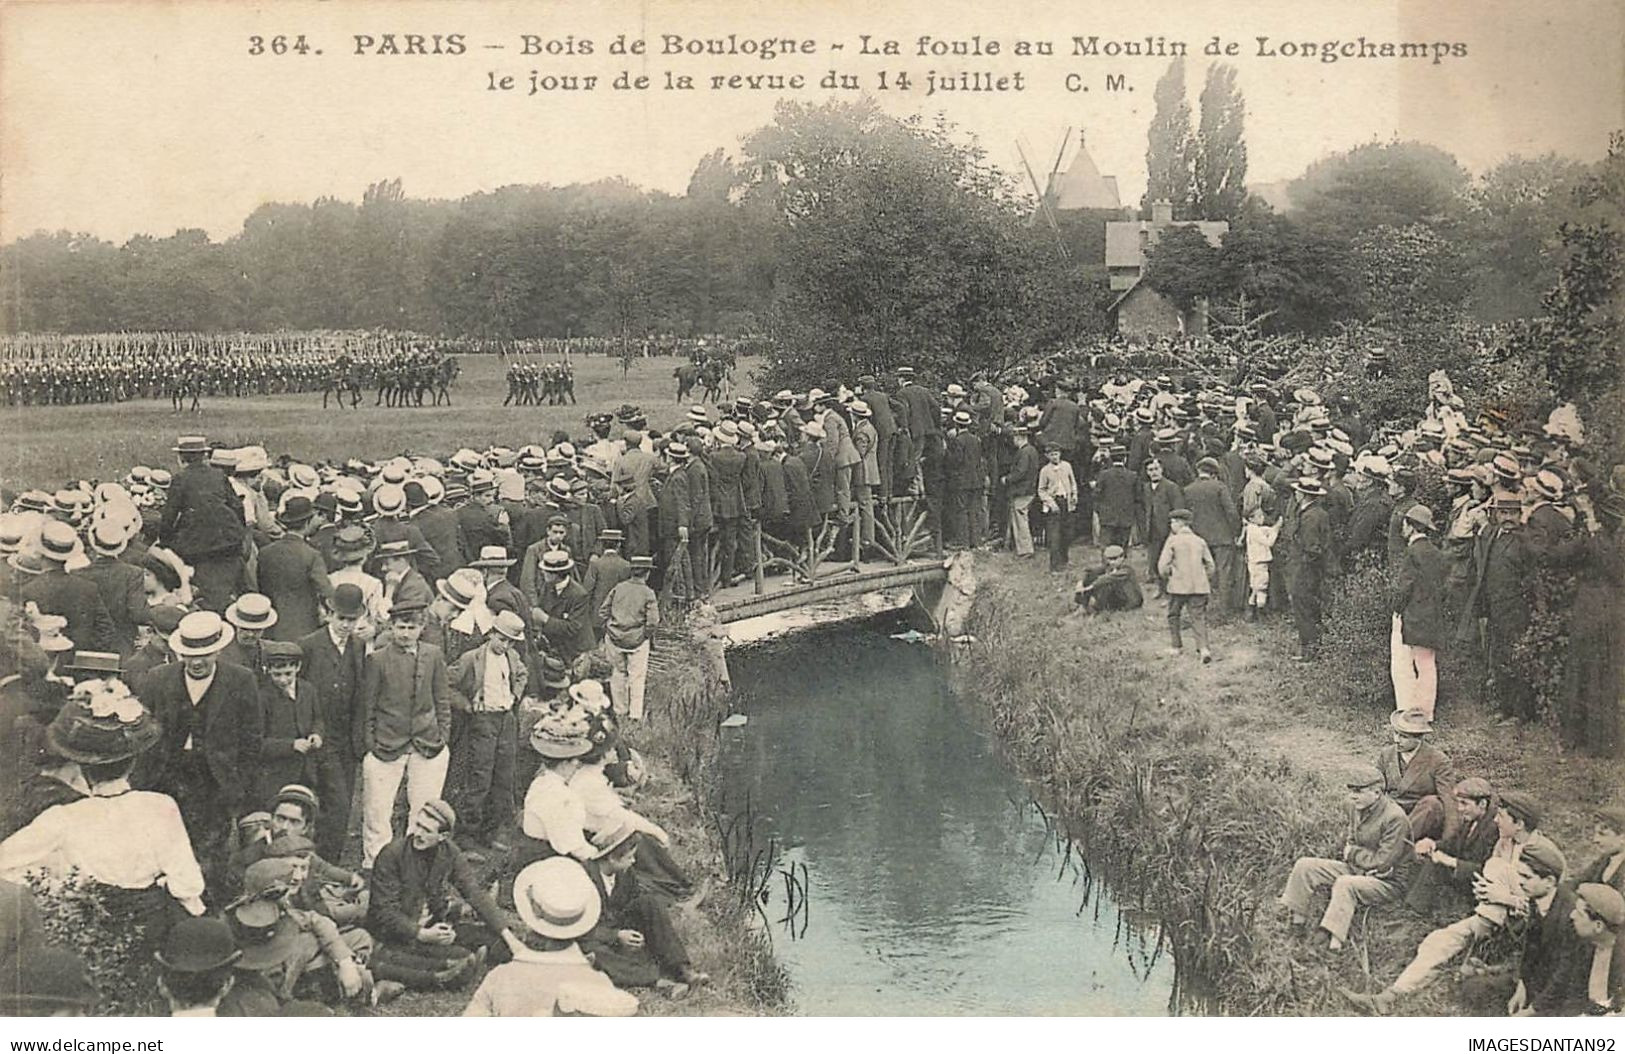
207	668
531	382
238	649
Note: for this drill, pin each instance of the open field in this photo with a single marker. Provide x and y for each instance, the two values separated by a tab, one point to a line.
1194	787
47	444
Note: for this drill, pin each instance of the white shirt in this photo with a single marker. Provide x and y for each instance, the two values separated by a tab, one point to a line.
601	803
555	814
125	838
195	691
543	984
498	692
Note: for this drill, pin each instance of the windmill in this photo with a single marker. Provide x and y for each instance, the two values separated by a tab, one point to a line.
1045	193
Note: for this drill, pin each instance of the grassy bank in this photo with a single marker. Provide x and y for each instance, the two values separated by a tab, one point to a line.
679	744
1194	787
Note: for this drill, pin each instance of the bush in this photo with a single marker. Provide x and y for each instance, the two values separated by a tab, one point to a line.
103	925
1358	624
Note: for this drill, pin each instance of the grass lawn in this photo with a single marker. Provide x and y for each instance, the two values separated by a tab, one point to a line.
1196	786
48	444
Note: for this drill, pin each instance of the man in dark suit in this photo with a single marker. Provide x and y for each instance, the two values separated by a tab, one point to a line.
203	522
676	516
563	615
1307	554
966	477
1419	776
478	523
119	583
333	663
1116	502
1216	516
297	746
292	573
403	583
213	725
885	423
74	597
636	940
1450	864
922	418
404	726
727	480
437	524
1419	631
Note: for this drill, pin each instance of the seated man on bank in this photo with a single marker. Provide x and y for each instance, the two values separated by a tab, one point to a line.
549	975
636	942
1560	943
1522	858
423	889
1449	865
1372	868
1419	776
1109	588
1609	838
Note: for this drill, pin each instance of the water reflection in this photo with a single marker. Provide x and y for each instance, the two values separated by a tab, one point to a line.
925	881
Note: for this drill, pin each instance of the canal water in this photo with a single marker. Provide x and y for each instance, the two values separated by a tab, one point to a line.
901	867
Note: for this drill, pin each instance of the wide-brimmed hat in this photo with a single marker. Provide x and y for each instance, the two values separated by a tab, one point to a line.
1548	485
590	694
556	898
102	723
251	611
509	625
1311	486
461	588
557	562
607	841
492	556
1412	722
97	663
198	945
1420	516
560	740
201	633
57	542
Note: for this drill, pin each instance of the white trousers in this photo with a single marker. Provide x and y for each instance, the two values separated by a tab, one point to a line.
381	782
626	681
1415	673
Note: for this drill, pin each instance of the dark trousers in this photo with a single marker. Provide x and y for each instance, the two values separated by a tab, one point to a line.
202	803
961	516
1196	604
1117	534
1224	577
699	559
484	783
424	966
639	537
1306	605
337	785
1055	538
936	516
728	532
215	579
1153	552
750	530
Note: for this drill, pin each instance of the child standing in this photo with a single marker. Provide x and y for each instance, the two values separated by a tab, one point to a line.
1187	566
1058	497
1258	538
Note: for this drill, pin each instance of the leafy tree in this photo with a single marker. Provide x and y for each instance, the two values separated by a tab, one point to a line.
1587	304
1510	237
1379	185
1169	145
1305	282
1219	170
1184	266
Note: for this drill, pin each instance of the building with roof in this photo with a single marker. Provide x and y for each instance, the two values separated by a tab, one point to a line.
1139	310
1082	186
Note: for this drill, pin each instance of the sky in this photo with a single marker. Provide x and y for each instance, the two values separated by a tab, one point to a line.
122	118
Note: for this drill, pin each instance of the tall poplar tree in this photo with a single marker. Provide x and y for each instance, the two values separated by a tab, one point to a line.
1169	144
1220	163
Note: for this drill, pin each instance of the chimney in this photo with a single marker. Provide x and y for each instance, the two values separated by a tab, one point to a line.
1162	212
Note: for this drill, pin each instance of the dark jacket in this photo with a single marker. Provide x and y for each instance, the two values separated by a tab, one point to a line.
799	514
202	516
568	629
477	527
1116	491
675	503
337	680
124	596
78	599
233	728
727	481
1417	594
405	703
285	721
699	492
291	572
964	461
1429	771
922	418
439	527
405	882
1022	479
1214	512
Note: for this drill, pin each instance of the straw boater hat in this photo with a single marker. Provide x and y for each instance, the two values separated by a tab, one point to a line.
590	694
200	633
1412	722
57	542
400	547
251	611
509	625
191	445
557	562
492	556
557	899
461	588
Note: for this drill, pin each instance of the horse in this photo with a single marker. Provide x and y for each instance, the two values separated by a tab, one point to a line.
687	375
